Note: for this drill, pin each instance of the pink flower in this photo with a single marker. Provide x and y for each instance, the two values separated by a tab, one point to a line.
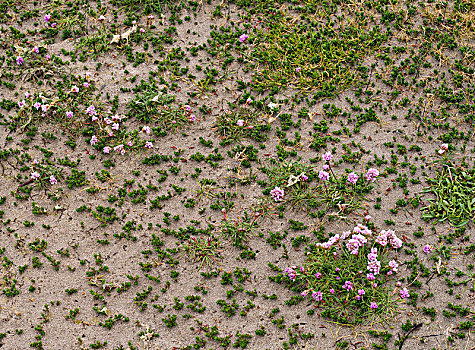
106	150
427	249
21	103
101	18
318	275
240	122
36	49
298	69
304	177
47	17
404	293
130	143
53	25
187	108
393	265
19	60
146	129
75	88
27	94
91	110
352	178
361	292
332	291
372	174
35	161
367	217
44	108
323	175
445	146
115	126
107	120
148	144
69	114
243	38
119	148
142	30
192	118
53	180
317	296
327	157
93	140
35	175
370	276
94	118
249	100
86	84
277	194
374	305
348	286
37	105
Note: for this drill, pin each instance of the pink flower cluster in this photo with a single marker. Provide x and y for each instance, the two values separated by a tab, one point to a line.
277	194
388	236
290	271
374	265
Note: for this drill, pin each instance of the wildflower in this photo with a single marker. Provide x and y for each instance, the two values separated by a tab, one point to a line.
35	175
192	118
27	94
240	122
445	146
243	38
337	269
374	266
361	292
52	180
370	276
187	108
47	17
74	88
332	291
325	167
318	275
35	161
404	293
355	243
298	69
142	30
44	108
94	118
382	238
48	57
427	249
304	177
146	129
37	105
352	178
53	25
86	84
93	140
373	305
130	143
249	100
107	120
101	18
393	265
115	126
327	157
367	217
119	148
372	174
91	110
398	284
277	194
348	286
148	144
291	273
69	114
36	49
323	175
173	121
19	60
373	255
395	242
106	149
304	293
317	296
21	103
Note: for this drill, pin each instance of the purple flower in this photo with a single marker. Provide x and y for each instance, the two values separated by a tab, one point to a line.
187	108
35	175
243	38
91	110
36	49
352	178
361	292
318	275
148	144
298	69
249	100
372	174
27	94
373	305
93	140
327	157
86	84
69	114
277	194
291	273
19	60
337	269
427	249
404	293
325	167
53	180
47	17
332	291
323	175
317	296
53	25
192	118
370	276
348	286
